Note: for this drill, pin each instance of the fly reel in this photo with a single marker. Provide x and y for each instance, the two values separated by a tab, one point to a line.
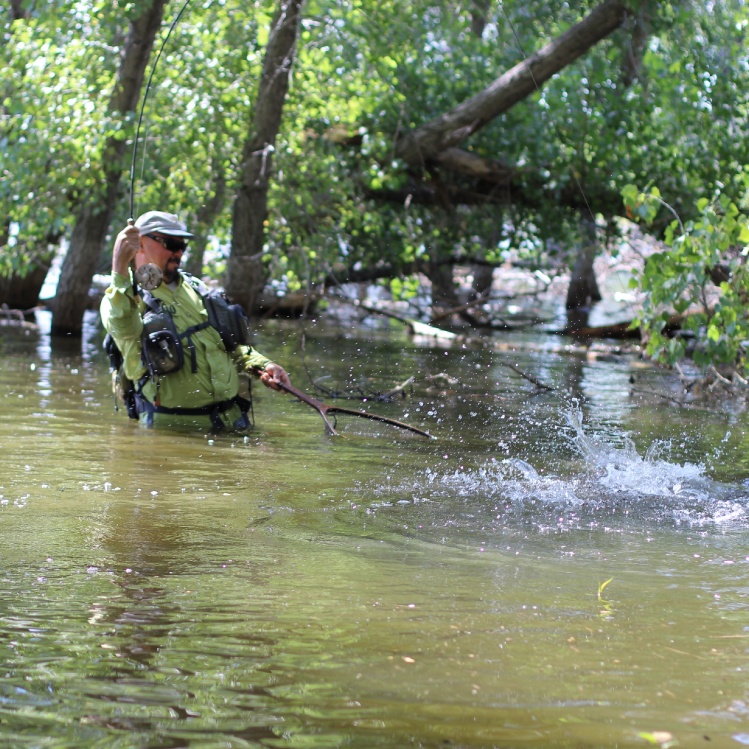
149	276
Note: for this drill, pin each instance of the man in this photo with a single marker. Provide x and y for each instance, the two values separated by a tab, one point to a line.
183	360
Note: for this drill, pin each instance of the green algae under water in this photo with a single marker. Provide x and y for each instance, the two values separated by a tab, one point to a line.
377	589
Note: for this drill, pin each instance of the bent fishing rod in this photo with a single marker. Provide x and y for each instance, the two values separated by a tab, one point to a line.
148	276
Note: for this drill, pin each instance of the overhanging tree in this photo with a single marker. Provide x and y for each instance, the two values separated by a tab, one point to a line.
246	274
438	174
436	139
94	215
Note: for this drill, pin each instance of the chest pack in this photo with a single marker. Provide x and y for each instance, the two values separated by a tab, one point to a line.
162	344
162	349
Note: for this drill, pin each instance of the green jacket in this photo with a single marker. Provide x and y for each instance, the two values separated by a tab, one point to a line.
217	378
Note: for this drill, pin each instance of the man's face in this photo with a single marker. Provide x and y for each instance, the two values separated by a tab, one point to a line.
163	251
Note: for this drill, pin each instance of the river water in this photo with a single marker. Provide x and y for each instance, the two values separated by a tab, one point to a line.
566	568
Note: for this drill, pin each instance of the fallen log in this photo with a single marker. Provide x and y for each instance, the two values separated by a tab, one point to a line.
622	330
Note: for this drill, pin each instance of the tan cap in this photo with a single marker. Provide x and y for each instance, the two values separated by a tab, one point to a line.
162	223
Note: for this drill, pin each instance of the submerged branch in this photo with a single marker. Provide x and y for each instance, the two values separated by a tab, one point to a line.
477	302
399	389
735	381
414	326
526	375
419	328
323	409
673	399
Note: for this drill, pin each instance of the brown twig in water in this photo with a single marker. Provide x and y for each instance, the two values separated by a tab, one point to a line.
323	409
688	384
673	399
526	375
446	378
736	380
399	389
487	297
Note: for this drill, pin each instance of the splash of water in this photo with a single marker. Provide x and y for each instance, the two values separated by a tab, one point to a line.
624	470
655	486
613	480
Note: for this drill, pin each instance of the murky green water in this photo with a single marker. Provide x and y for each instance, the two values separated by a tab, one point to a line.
374	590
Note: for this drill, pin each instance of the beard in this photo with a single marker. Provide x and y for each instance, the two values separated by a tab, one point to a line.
170	272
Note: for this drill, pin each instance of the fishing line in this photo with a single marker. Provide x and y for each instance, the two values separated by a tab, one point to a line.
538	89
143	106
148	276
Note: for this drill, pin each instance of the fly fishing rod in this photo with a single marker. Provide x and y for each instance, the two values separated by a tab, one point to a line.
149	275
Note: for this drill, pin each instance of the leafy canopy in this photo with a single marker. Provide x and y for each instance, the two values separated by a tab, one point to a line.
702	276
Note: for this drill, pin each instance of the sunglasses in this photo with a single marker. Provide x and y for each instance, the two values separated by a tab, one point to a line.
173	244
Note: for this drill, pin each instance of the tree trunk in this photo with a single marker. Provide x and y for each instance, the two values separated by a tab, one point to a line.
17	11
245	272
205	216
583	290
443	286
22	292
636	46
94	218
426	142
483	276
479	13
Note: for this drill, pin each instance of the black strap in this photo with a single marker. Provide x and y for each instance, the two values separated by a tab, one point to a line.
198	286
150	300
188	334
212	411
198	411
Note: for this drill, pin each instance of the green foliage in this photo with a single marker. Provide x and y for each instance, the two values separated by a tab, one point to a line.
406	288
366	72
56	76
377	69
684	279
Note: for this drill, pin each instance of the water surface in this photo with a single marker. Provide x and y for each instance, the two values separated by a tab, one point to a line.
556	569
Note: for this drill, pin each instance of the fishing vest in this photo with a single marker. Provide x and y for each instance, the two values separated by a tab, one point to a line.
163	350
